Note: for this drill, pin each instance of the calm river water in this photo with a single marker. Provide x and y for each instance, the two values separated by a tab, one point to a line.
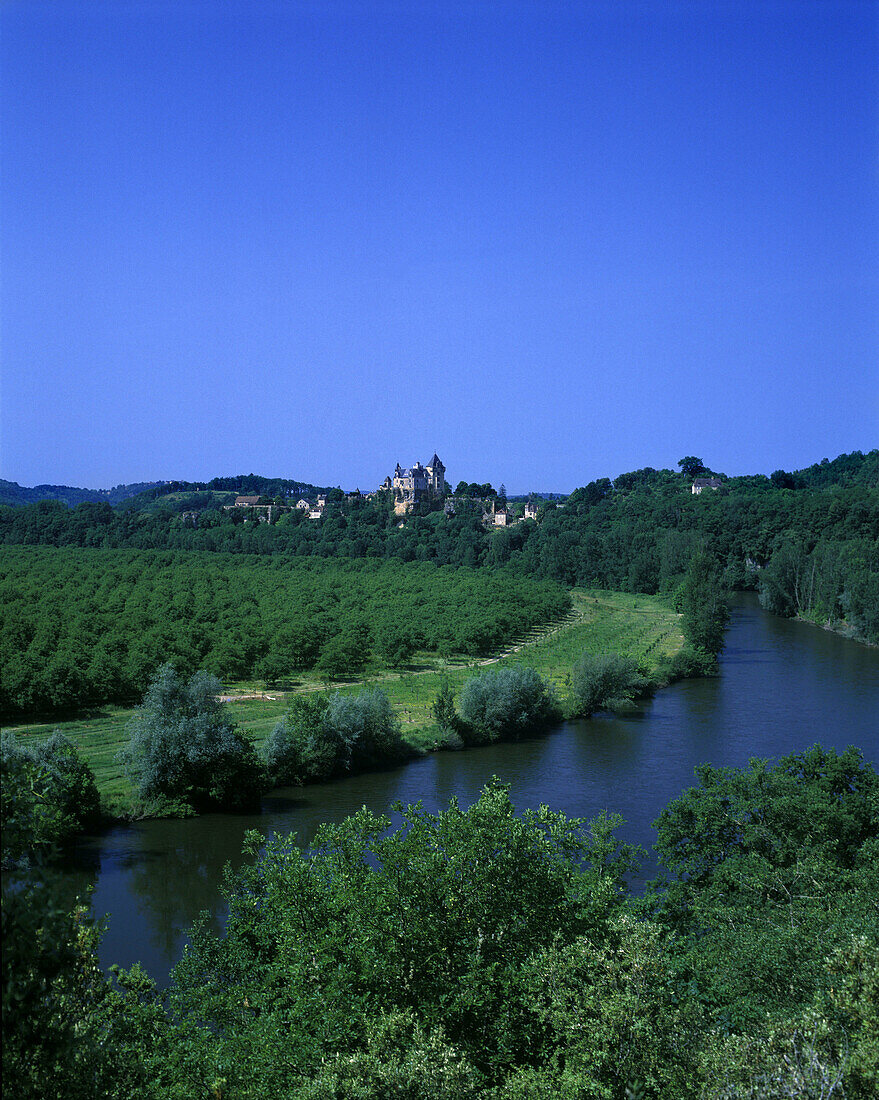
783	686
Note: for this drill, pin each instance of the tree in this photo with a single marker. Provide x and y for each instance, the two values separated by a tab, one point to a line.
606	680
395	643
690	466
444	934
443	708
507	702
66	1031
771	869
48	796
367	729
300	749
703	604
343	653
184	749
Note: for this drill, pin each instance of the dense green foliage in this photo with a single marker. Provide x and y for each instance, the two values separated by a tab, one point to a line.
505	703
13	493
185	751
319	737
48	796
702	602
809	537
606	680
66	1032
771	899
89	626
483	953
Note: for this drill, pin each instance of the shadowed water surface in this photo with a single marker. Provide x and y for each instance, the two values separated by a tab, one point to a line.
783	687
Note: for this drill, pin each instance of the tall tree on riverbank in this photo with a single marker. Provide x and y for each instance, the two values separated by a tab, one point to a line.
703	602
184	748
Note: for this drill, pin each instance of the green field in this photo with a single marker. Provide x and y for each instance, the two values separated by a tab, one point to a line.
642	627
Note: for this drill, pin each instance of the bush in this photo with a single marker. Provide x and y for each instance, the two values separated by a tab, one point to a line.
185	749
48	796
689	663
321	737
300	748
606	680
506	703
367	728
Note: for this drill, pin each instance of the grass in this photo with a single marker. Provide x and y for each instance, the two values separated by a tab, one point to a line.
637	626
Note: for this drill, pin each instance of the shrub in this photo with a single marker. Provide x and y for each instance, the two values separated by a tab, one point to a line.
321	737
606	680
300	748
367	728
507	702
184	747
48	795
688	663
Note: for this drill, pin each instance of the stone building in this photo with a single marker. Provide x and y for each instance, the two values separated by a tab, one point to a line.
416	483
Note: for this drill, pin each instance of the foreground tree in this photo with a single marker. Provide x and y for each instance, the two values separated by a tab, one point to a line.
48	796
773	876
472	937
184	750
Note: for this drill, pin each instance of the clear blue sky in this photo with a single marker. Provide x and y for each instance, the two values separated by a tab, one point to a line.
550	241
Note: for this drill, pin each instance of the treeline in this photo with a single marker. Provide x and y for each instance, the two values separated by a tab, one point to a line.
82	626
13	493
637	533
485	953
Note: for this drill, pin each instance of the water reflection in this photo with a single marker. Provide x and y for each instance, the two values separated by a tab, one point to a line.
784	685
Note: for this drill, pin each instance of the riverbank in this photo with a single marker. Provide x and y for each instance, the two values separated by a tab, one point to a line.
641	627
836	626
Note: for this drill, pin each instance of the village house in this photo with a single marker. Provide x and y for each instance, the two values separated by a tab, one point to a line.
701	483
531	510
500	517
262	513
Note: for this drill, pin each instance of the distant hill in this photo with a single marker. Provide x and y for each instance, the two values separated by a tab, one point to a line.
13	493
200	494
150	495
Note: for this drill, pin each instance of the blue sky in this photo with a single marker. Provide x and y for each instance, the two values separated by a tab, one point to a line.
550	241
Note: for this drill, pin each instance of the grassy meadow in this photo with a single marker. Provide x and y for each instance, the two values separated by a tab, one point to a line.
642	627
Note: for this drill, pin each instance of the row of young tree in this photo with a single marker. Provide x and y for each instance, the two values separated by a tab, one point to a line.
636	533
185	755
484	952
89	626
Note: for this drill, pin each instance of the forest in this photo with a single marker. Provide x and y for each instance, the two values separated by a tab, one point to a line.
807	539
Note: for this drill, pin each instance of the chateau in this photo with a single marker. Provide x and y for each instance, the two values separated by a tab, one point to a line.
417	483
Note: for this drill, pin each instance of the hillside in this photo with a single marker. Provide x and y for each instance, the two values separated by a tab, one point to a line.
13	493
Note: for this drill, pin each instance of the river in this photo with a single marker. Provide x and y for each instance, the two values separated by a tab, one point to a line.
784	686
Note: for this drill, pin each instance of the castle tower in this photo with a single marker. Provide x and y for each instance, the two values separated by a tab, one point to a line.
436	473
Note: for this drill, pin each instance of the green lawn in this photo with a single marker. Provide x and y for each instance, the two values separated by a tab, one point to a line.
600	622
